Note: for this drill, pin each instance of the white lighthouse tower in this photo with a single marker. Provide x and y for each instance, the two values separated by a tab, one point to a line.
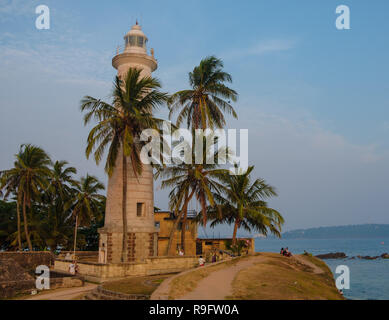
141	232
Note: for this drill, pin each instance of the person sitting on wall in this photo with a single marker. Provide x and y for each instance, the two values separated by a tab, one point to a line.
201	261
287	253
72	268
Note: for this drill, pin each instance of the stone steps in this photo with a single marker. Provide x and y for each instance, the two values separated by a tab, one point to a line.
102	294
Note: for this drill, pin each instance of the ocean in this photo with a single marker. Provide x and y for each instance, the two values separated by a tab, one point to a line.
369	279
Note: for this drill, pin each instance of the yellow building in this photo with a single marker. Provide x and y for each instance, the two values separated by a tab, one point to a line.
207	245
164	221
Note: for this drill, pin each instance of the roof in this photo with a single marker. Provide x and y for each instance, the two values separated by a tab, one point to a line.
190	215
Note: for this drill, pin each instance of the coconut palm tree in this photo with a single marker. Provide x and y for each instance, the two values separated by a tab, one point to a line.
56	200
203	105
241	203
9	183
30	176
86	203
120	124
188	180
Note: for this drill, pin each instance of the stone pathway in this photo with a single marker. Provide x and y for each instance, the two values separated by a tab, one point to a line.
64	294
218	284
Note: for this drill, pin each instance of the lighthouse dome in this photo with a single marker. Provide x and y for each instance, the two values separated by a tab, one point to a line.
135	40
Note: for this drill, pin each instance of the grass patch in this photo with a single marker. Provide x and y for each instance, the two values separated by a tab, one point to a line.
282	278
136	285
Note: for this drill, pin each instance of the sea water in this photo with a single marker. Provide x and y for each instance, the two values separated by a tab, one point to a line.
369	279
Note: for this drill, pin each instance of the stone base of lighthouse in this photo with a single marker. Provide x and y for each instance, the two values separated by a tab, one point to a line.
140	246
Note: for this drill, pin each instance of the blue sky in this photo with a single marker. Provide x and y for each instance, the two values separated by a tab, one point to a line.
315	99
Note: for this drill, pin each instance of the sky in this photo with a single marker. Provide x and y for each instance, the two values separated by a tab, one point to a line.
315	99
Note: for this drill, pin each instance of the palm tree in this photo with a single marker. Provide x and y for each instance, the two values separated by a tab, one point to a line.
203	105
56	200
9	183
61	180
86	202
120	124
30	176
241	203
192	180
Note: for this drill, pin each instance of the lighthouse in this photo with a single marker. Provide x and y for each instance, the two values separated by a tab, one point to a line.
142	236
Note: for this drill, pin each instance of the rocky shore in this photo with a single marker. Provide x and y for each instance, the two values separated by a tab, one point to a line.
342	255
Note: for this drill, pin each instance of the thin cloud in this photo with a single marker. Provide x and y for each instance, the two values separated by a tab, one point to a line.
269	46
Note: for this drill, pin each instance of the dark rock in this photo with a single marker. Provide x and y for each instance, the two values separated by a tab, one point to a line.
368	257
332	255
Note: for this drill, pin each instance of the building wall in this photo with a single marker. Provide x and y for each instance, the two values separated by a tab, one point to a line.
151	266
165	227
208	245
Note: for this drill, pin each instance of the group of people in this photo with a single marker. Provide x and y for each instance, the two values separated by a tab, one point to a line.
214	259
285	252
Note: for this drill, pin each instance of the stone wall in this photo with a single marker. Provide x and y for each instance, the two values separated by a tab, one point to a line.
99	272
9	289
29	260
91	256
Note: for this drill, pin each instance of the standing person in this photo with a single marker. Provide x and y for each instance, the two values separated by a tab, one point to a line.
181	252
214	258
72	268
102	254
201	261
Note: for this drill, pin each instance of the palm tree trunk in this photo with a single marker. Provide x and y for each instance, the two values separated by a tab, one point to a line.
75	237
183	229
124	209
235	232
172	233
176	222
18	219
26	223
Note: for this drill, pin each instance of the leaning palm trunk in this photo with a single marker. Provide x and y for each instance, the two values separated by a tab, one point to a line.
75	237
236	226
18	221
184	222
183	229
26	223
172	233
124	209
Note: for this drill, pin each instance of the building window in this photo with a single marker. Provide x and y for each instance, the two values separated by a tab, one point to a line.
208	243
139	209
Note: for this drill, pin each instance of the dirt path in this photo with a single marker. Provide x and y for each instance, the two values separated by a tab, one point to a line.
218	284
302	260
64	294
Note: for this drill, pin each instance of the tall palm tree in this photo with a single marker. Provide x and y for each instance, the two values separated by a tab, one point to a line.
56	200
120	124
86	202
192	180
203	105
241	203
30	173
